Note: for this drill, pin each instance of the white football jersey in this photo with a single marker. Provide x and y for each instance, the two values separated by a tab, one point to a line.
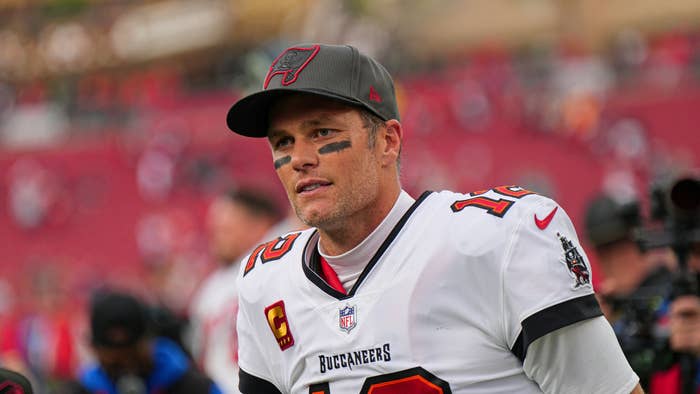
213	327
450	302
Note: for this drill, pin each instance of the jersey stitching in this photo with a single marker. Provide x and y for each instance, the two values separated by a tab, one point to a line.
569	226
388	242
531	312
506	263
504	266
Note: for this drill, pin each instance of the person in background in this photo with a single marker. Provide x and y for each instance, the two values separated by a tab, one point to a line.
627	270
683	320
635	283
237	220
40	339
289	223
129	359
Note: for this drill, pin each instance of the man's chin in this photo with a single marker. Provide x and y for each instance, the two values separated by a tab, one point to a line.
315	218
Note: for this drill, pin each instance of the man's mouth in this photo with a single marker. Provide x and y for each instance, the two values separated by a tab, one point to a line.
311	186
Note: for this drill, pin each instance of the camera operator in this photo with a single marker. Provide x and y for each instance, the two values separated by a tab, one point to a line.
684	335
635	283
677	207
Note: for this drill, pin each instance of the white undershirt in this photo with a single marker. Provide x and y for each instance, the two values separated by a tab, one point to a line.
349	265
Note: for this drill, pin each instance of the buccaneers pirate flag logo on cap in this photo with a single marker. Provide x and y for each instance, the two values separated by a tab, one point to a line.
290	63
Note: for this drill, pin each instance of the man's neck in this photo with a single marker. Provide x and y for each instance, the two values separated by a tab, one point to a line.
348	266
345	236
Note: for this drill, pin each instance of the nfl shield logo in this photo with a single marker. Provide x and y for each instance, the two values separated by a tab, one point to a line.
347	319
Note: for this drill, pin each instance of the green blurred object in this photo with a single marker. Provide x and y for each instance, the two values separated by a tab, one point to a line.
63	8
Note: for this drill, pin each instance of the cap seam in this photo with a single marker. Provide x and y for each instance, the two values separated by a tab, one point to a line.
356	73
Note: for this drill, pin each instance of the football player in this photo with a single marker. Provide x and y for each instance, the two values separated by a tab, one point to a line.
485	292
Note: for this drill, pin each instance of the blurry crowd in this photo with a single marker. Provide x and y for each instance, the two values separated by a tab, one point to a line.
184	304
554	88
131	343
137	341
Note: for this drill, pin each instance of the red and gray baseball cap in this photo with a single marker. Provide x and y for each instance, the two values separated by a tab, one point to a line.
339	72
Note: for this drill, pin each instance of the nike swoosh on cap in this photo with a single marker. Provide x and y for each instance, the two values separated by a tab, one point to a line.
542	224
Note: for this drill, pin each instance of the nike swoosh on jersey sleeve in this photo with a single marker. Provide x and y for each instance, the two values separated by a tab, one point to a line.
543	223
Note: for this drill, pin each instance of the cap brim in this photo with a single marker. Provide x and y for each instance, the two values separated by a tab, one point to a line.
249	115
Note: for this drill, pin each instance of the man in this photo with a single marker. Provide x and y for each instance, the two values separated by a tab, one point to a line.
448	293
610	226
237	220
684	337
129	359
635	283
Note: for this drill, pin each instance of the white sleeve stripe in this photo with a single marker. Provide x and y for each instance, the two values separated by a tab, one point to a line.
554	318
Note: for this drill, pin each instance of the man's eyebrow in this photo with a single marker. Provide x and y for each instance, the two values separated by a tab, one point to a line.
321	120
275	133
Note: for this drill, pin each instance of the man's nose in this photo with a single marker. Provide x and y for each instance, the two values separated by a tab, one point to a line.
304	156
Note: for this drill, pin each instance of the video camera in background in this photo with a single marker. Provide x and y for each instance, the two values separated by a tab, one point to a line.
644	281
676	208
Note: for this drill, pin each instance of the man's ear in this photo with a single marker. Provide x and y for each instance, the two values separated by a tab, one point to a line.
392	136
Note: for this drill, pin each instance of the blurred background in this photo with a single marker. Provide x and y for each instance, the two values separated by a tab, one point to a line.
113	140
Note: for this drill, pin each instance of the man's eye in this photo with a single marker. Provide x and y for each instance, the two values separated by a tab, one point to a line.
282	142
324	132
